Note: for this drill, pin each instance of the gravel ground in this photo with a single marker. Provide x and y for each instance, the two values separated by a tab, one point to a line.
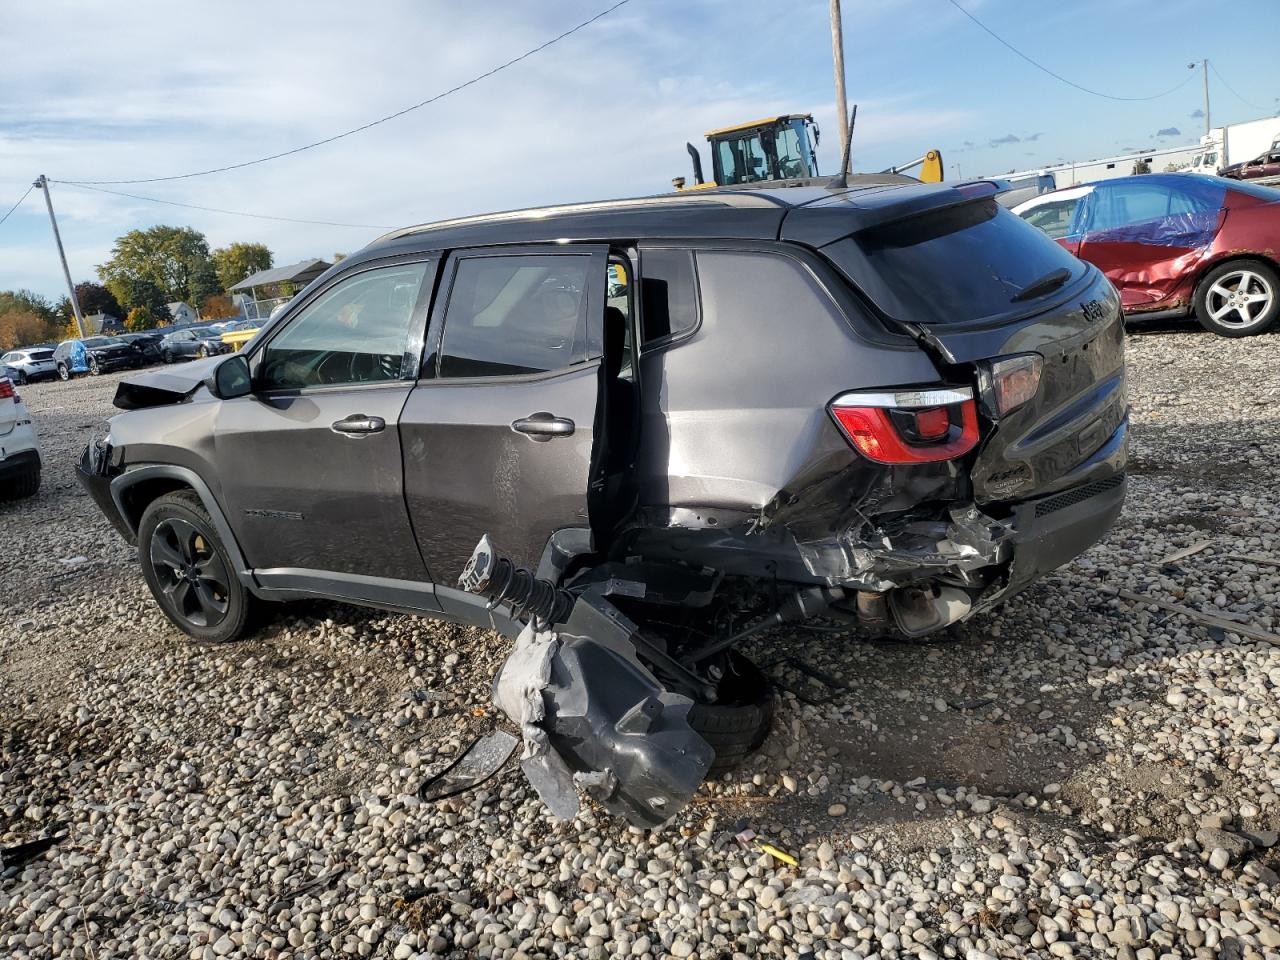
1075	775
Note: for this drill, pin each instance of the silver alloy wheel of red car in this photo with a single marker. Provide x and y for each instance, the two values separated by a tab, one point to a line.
1240	298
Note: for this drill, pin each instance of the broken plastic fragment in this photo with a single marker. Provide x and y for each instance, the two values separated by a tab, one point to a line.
517	692
474	766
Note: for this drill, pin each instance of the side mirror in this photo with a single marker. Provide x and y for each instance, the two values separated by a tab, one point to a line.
231	379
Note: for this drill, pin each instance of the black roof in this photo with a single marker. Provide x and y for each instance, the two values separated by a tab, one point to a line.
811	212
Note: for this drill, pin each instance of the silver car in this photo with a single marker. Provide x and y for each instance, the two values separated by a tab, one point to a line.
31	364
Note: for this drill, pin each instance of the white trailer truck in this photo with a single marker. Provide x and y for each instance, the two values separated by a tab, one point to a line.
1235	143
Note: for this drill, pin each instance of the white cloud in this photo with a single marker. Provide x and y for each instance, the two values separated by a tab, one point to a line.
152	89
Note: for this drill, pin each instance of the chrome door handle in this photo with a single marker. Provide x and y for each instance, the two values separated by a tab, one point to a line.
358	425
543	426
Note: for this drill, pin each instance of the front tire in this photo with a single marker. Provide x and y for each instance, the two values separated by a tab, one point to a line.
93	367
189	571
1238	299
22	378
64	372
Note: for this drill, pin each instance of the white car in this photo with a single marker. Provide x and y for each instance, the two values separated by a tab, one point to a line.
31	364
19	446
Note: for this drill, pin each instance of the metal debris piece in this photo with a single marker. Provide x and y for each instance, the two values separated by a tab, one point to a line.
481	760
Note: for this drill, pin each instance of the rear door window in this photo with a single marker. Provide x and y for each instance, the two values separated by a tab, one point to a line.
516	315
1054	217
963	263
1155	212
668	293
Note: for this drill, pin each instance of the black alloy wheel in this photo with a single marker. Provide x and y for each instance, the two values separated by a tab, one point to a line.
189	571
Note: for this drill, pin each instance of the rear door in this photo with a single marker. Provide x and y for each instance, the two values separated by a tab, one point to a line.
1146	235
311	460
498	432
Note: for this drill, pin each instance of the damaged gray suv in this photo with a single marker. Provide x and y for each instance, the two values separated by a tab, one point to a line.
637	433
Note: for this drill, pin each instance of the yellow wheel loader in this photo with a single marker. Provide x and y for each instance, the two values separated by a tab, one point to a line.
776	148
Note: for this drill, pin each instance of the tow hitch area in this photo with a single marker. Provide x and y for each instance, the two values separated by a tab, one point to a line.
591	715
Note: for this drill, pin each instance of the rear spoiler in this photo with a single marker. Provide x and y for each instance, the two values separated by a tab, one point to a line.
848	212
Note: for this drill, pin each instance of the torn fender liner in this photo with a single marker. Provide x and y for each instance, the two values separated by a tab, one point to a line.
593	717
160	387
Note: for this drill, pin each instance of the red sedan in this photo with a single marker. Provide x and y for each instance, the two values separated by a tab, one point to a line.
1175	244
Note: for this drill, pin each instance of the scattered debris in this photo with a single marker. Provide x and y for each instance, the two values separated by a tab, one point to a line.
15	857
1185	552
483	758
1208	619
777	854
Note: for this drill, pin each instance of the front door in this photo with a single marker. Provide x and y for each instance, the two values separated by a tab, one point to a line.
313	475
498	432
1148	235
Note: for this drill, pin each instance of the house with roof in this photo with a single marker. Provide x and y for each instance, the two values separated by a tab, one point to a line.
181	313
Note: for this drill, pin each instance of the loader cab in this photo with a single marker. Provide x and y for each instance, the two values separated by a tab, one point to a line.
775	148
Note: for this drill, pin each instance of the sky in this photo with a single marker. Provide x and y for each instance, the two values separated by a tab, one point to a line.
152	89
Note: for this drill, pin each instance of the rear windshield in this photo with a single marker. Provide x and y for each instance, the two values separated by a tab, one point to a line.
963	263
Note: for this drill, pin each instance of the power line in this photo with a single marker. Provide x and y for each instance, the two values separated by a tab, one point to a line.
1058	76
1232	89
372	123
18	204
234	213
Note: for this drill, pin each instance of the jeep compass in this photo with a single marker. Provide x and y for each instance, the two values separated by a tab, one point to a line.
636	433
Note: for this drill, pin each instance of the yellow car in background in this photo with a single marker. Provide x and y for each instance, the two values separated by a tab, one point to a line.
241	333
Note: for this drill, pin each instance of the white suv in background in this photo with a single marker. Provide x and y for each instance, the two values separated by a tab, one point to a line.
19	446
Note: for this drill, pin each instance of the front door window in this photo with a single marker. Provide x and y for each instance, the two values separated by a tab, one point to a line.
358	331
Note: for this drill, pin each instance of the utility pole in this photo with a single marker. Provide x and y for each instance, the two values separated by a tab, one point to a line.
1205	65
837	57
42	183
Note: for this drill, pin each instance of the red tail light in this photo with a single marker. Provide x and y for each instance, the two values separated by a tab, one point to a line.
7	391
909	426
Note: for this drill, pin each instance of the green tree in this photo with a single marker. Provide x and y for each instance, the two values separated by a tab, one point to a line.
133	292
139	318
172	263
95	298
236	261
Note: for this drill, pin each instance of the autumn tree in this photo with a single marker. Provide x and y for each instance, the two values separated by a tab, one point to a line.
11	300
95	298
139	318
218	308
236	261
159	265
20	326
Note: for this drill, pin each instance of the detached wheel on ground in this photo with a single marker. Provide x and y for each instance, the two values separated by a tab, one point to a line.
189	571
737	725
1238	299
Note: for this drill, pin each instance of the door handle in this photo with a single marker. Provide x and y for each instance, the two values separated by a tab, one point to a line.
543	426
358	425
